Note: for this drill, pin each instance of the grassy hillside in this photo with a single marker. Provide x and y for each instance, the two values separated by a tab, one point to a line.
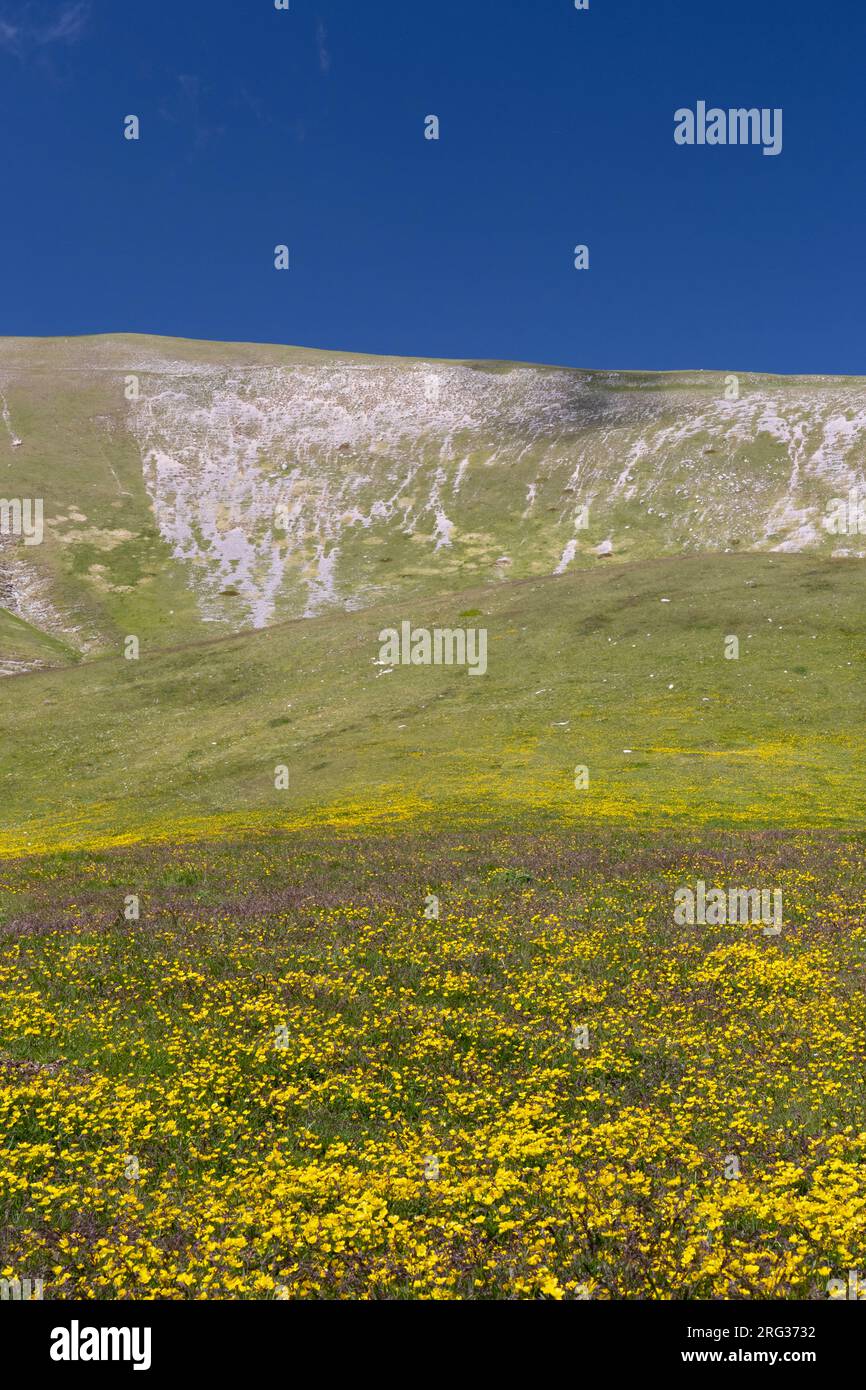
424	1023
25	647
202	488
621	669
283	1081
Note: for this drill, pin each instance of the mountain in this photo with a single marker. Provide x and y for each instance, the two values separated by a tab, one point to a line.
201	489
621	670
257	518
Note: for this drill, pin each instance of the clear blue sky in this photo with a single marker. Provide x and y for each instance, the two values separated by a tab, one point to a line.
261	127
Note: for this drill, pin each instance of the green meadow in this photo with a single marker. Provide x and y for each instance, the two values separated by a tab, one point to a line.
621	670
323	975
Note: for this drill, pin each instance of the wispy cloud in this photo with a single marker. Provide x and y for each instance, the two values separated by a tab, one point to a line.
324	52
69	24
185	103
24	30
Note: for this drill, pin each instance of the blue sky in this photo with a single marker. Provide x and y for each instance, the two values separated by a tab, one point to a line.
306	127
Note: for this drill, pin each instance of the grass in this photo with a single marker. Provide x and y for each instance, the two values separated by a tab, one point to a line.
328	1041
595	669
23	646
369	467
283	1080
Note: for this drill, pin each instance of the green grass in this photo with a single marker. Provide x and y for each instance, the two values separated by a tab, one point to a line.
24	646
507	453
299	1169
580	669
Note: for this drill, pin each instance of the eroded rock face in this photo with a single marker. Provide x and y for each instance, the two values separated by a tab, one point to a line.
264	479
242	485
256	475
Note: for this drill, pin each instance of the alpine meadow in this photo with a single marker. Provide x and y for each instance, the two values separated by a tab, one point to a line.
432	827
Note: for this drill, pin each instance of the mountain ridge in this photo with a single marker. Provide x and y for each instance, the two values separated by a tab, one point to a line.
192	485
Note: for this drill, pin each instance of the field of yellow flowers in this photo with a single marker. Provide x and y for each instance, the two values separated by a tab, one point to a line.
432	1065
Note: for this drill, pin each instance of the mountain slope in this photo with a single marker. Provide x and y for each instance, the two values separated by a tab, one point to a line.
622	670
196	488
